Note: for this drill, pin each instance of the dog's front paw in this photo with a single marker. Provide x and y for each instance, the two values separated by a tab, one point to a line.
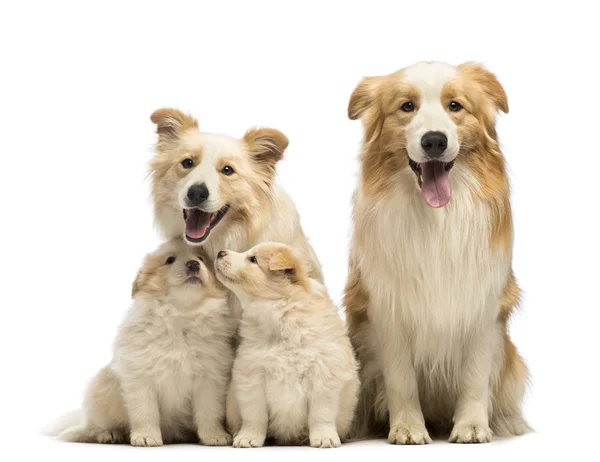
408	434
325	439
470	433
146	440
248	439
110	437
215	438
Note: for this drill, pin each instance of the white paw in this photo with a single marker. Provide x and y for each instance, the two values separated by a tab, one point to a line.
470	433
409	434
245	439
215	438
325	440
143	440
110	437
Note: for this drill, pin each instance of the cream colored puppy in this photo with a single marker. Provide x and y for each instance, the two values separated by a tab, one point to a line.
168	379
295	376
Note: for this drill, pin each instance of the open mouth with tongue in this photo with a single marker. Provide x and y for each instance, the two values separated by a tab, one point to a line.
434	181
198	223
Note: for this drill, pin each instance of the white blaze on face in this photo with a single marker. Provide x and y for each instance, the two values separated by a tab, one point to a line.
429	79
214	147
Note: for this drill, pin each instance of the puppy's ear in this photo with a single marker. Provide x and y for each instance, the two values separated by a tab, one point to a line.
171	123
488	82
266	146
363	97
285	261
138	283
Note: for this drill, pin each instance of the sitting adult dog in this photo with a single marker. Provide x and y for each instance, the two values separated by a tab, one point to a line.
430	287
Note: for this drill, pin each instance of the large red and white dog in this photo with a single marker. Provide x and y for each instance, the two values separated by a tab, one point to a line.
431	288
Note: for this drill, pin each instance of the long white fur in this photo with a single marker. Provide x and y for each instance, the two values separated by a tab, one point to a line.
435	289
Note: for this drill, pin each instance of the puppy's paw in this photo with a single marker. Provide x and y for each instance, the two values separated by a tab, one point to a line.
110	437
325	439
470	433
146	440
409	434
248	439
215	438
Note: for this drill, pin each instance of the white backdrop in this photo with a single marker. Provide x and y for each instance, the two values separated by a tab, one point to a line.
79	81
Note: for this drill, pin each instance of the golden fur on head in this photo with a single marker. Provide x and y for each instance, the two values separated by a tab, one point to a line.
248	188
268	270
164	273
377	100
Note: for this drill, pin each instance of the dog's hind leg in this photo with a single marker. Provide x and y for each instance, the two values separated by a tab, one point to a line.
507	417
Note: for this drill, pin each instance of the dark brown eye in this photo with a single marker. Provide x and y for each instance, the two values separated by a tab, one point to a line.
454	106
227	170
170	261
200	258
408	107
187	163
253	259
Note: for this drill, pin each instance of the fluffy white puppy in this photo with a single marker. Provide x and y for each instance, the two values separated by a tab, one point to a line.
168	379
295	376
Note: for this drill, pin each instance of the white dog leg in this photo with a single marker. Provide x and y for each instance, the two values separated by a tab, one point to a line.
322	416
252	404
407	425
142	407
471	414
209	410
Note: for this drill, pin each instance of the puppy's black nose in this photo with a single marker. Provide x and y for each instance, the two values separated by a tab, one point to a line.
197	194
221	254
193	266
434	143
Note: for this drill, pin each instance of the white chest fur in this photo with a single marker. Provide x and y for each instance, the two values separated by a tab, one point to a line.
431	270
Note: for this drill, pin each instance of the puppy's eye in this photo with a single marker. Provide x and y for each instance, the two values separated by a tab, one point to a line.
170	261
253	259
408	107
187	163
200	258
454	106
227	170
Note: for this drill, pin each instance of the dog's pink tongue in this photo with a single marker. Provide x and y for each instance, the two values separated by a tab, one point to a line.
196	223
436	189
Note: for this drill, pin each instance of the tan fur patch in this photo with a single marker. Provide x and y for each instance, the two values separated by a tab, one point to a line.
283	260
171	123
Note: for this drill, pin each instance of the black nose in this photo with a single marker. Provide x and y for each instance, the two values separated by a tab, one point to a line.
221	254
197	194
434	143
193	266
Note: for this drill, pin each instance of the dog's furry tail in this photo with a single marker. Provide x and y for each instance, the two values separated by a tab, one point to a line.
70	427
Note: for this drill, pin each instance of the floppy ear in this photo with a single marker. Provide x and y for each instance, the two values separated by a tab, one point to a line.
266	145
171	123
362	97
138	283
488	82
286	262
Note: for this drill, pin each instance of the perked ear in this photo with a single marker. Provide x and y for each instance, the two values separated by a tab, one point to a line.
285	261
488	82
266	145
171	123
362	97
